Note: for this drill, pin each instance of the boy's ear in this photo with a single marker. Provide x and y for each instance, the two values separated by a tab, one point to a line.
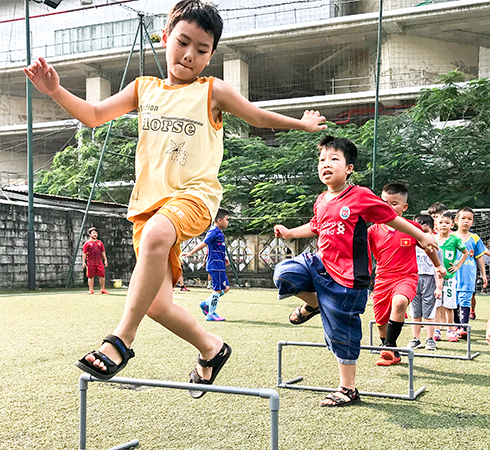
405	207
350	169
164	38
209	60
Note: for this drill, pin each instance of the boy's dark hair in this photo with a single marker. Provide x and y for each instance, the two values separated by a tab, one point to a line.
221	214
92	229
437	208
464	209
396	188
344	145
424	219
447	214
205	15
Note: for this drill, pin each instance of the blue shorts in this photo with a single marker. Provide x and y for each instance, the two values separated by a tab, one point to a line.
340	307
463	298
219	280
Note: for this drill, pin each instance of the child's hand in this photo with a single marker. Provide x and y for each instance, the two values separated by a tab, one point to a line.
281	231
313	121
438	293
184	255
453	268
428	243
485	280
43	76
441	272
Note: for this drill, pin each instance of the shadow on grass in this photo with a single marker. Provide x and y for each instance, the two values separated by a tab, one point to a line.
444	377
271	324
412	416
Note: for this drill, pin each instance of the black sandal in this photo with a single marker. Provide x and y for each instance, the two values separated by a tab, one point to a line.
300	317
112	368
216	363
352	394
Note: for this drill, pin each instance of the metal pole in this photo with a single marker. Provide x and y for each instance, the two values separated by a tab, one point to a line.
376	99
92	191
31	254
142	50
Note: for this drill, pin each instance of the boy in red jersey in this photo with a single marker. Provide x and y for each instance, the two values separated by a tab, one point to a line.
336	278
94	260
396	272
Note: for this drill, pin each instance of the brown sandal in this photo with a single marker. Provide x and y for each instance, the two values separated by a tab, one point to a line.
351	394
300	317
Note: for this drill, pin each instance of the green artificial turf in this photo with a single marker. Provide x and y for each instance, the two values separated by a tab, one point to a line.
43	334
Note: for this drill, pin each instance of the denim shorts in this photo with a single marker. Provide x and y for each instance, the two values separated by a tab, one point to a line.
340	307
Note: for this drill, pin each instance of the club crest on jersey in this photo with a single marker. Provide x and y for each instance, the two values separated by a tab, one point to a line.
472	253
344	212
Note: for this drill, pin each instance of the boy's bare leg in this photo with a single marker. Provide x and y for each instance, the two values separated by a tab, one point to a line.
146	281
416	328
310	299
347	374
180	322
91	282
449	316
430	329
399	305
102	283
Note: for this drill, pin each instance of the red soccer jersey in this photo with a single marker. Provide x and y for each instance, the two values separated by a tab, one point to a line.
394	251
341	225
94	250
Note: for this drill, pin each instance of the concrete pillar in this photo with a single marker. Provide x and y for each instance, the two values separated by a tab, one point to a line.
484	63
235	72
97	88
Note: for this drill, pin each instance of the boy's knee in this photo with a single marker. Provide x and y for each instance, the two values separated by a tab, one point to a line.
156	237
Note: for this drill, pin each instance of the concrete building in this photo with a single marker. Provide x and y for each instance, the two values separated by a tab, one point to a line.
284	56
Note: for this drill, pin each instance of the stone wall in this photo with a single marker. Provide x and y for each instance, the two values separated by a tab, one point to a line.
56	234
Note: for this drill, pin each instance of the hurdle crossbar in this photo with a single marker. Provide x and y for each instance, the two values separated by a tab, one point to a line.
271	394
468	356
291	384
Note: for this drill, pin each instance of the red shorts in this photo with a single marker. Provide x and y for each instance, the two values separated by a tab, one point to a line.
386	289
96	271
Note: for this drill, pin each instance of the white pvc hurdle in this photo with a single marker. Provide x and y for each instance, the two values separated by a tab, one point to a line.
291	384
85	378
468	356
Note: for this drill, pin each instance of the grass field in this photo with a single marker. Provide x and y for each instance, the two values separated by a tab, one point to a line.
43	334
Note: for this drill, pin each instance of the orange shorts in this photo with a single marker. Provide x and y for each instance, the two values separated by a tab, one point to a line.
190	218
385	290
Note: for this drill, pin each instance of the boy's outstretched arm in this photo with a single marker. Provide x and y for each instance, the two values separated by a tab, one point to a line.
440	269
427	242
293	233
194	250
226	98
46	80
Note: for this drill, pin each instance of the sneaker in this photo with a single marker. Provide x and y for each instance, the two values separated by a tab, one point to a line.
472	315
104	291
452	336
214	318
437	335
90	291
414	343
204	308
210	286
388	358
430	344
462	333
184	288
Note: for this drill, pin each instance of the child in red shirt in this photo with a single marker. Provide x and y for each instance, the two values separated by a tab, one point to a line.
94	260
395	284
334	281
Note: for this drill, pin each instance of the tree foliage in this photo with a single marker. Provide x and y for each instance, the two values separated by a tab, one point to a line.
266	184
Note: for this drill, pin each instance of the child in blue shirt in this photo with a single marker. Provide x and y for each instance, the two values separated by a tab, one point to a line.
466	276
215	264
